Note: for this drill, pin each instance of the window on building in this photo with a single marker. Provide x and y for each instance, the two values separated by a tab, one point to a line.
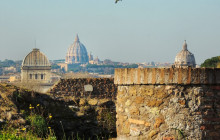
35	76
42	76
30	76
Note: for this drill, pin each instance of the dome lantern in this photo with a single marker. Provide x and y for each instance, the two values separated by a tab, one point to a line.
184	45
185	58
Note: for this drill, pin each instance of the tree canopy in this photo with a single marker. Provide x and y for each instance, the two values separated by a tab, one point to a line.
213	62
117	1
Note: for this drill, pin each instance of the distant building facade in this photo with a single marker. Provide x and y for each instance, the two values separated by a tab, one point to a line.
63	66
36	68
184	58
90	56
77	53
14	78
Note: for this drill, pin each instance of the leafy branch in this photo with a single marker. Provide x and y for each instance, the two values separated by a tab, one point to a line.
117	1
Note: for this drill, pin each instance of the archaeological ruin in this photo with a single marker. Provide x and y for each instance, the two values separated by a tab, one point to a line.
168	103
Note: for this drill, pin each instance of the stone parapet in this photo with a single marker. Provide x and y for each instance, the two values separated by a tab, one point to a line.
168	103
157	76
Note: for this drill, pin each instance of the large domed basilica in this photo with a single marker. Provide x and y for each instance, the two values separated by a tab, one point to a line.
77	53
185	58
35	67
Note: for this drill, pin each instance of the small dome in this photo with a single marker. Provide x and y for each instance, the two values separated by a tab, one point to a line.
185	58
77	53
36	58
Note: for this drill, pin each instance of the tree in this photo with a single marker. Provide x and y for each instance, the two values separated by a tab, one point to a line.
213	62
117	1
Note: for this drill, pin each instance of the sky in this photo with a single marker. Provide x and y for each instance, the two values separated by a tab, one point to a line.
132	31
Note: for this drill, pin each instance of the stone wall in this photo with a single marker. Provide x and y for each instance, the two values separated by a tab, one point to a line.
93	87
168	103
72	117
183	76
91	102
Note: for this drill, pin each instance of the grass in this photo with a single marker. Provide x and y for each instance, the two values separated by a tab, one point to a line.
180	134
36	130
13	134
38	125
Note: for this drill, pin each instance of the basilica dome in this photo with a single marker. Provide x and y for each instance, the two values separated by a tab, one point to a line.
185	58
77	53
36	58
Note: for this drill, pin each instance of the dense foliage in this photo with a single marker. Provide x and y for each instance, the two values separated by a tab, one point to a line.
54	66
211	62
101	69
58	61
9	63
117	1
111	66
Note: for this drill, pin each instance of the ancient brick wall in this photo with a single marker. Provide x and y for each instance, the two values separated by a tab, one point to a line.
168	103
93	87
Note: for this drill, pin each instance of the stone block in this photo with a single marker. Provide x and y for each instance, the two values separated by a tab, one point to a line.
154	111
160	94
158	122
132	91
88	87
147	91
134	110
82	102
154	102
134	131
182	102
128	102
92	101
147	124
126	128
152	133
168	138
134	121
139	100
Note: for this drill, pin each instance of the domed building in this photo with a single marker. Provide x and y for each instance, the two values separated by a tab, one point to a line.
36	67
185	58
77	53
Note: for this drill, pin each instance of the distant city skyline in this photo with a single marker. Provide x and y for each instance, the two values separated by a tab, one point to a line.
129	31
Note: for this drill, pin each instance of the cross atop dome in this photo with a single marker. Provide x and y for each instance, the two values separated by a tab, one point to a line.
184	45
77	38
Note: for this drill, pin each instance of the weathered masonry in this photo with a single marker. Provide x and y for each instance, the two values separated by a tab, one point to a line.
91	87
168	103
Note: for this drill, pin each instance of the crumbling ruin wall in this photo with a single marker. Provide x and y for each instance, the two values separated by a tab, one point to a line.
91	102
77	111
80	87
168	103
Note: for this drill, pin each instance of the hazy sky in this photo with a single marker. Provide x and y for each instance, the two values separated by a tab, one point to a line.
130	31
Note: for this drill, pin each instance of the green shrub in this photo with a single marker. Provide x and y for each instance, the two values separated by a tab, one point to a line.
14	134
38	125
211	63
